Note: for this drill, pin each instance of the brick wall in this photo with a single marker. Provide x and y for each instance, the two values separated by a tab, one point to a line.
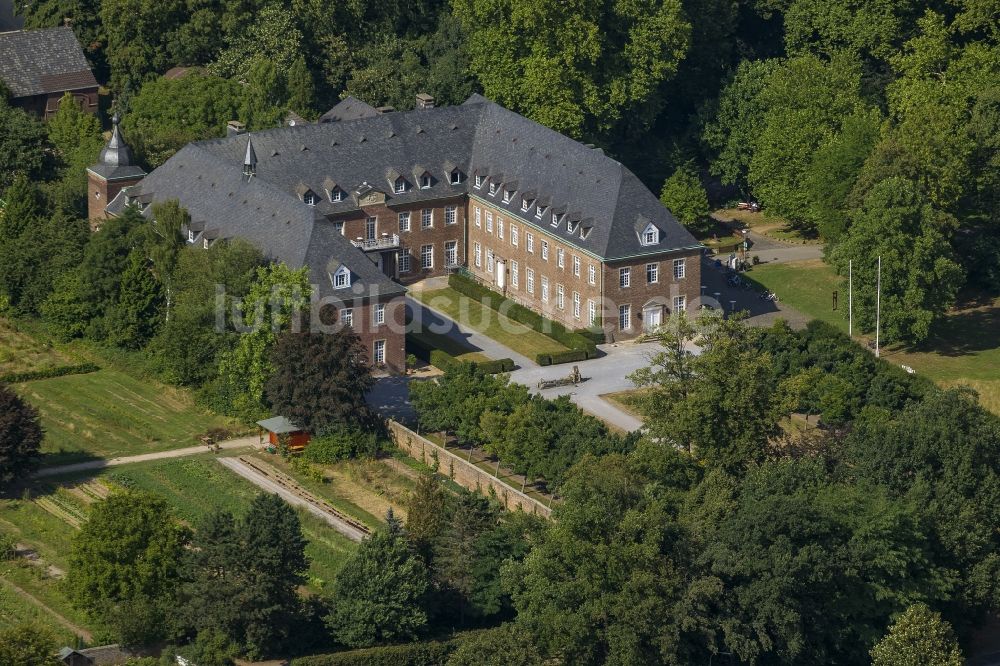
437	235
392	331
644	297
465	474
100	193
518	289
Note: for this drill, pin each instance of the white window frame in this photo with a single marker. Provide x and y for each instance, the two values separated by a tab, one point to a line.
489	261
479	181
452	247
341	278
652	273
378	352
576	305
399	185
425	181
513	235
592	274
680	303
405	261
545	289
625	277
493	189
555	219
404	221
499	227
310	199
576	266
479	217
650	235
530	242
560	297
540	212
560	257
680	269
427	218
347	317
378	314
591	311
336	194
625	317
427	251
338	226
478	254
529	278
489	221
545	250
450	215
514	274
455	177
526	204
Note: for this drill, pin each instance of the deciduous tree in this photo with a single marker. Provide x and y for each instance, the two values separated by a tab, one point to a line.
685	196
919	637
20	436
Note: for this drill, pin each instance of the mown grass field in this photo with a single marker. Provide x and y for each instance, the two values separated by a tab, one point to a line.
108	413
964	349
22	352
489	322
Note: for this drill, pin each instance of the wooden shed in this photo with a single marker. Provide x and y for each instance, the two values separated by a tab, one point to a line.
278	428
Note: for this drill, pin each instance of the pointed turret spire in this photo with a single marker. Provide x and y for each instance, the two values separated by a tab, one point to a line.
116	153
250	160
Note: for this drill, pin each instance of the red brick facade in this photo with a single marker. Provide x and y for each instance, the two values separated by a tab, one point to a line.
566	284
388	328
100	192
46	106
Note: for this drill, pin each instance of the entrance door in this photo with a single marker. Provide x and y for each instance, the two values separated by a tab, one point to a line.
652	317
501	273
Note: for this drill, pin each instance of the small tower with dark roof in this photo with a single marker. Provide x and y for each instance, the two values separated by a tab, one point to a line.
115	171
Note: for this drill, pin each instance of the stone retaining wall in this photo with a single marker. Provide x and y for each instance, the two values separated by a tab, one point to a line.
462	472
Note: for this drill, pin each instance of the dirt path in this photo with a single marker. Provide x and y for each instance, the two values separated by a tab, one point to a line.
79	631
266	477
92	465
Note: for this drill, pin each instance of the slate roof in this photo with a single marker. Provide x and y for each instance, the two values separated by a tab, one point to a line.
39	62
349	108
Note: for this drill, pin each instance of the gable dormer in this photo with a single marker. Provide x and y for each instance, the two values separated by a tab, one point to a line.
341	278
422	177
527	201
396	181
453	174
649	233
306	195
334	192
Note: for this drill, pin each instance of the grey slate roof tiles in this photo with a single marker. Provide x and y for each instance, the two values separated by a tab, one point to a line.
38	62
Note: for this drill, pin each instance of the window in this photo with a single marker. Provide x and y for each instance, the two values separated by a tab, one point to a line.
479	181
347	317
529	277
399	186
426	256
571	226
427	218
560	258
450	214
341	278
679	269
680	303
555	219
425	181
404	261
531	242
371	228
591	312
205	243
378	314
508	195
540	212
309	198
489	261
560	297
525	204
652	273
404	221
545	290
456	177
500	228
336	194
478	251
576	265
513	274
545	250
592	274
339	227
493	189
489	222
451	253
513	235
624	277
479	217
378	352
191	235
576	305
624	317
651	235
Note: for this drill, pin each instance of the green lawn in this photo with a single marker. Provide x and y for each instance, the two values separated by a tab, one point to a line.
16	609
488	321
20	351
807	286
965	348
108	413
448	346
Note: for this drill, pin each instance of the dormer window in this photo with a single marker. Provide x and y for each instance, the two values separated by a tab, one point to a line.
571	226
310	198
425	181
555	219
190	236
479	181
456	177
205	243
341	278
493	189
584	232
526	204
508	195
399	186
650	235
540	212
336	194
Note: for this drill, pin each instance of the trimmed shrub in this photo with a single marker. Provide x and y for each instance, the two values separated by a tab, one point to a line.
427	653
568	356
496	366
543	359
61	371
441	359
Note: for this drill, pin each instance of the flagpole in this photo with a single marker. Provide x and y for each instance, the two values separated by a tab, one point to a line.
878	306
850	298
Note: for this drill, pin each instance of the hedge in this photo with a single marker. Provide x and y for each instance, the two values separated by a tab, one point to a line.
61	371
568	356
574	340
543	359
426	653
442	360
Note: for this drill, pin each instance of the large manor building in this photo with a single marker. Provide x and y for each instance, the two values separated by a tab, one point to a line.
371	200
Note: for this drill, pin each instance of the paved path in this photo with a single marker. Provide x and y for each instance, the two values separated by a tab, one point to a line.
438	322
92	465
299	498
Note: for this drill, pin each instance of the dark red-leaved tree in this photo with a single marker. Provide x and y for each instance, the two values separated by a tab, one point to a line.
20	436
320	379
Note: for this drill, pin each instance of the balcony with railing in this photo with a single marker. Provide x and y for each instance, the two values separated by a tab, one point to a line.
385	242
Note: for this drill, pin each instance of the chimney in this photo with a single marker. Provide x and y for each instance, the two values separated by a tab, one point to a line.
234	127
425	101
381	110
